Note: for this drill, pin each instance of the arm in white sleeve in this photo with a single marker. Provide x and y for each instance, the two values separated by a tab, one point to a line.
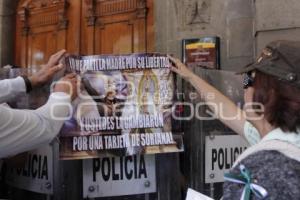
24	130
251	134
11	88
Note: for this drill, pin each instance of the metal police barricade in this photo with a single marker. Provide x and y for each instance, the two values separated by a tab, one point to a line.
44	171
44	175
222	150
210	146
206	154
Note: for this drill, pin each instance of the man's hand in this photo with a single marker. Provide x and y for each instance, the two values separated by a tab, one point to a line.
47	72
68	84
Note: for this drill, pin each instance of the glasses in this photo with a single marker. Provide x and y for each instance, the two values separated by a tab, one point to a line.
248	79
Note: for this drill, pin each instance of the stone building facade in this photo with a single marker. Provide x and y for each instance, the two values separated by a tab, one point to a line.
244	26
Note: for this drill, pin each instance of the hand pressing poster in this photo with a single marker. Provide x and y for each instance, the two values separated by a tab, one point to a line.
124	107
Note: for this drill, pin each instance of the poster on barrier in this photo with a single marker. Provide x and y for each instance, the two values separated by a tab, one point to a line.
124	107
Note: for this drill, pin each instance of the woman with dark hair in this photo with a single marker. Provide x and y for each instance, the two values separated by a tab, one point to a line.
270	169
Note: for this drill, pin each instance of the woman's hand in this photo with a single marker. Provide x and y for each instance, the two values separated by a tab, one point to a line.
180	68
47	71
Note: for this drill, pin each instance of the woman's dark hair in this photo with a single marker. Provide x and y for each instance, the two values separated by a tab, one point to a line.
281	101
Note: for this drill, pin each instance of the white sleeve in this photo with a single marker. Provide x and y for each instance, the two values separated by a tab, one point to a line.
251	134
24	130
11	88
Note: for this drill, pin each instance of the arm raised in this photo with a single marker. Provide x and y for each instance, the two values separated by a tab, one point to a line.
223	103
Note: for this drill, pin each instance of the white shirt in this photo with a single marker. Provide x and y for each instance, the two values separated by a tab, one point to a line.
253	137
24	130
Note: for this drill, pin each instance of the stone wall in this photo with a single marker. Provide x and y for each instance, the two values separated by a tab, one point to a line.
276	20
231	20
244	26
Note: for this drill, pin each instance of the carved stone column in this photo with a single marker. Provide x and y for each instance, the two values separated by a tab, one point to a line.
7	31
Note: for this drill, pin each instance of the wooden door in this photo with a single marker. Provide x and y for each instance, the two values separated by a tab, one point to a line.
41	31
117	26
82	27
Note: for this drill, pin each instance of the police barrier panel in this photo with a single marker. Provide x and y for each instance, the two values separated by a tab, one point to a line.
37	173
221	146
116	176
227	83
204	123
220	154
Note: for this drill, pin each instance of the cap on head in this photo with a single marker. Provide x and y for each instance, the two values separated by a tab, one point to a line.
280	59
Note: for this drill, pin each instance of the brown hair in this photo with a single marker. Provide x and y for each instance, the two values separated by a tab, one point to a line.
281	101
